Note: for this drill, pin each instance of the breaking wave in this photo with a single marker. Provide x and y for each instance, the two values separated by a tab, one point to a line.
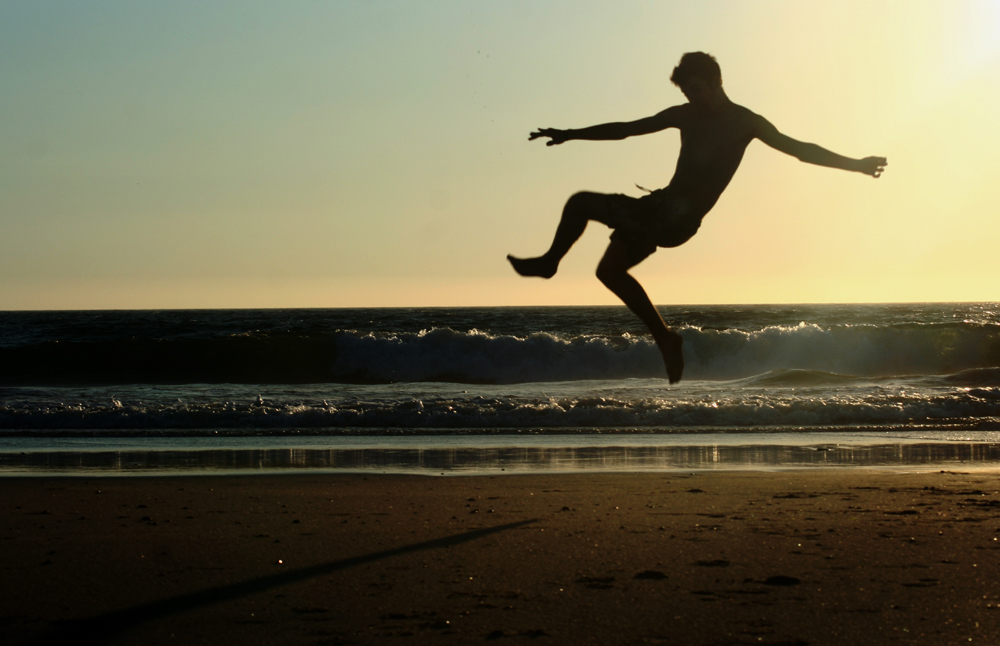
782	353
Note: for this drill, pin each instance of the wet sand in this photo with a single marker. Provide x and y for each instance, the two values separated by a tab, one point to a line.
800	557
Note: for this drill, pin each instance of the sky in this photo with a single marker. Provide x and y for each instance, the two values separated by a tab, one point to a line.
344	153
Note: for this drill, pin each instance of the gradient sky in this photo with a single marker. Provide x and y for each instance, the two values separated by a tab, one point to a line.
342	153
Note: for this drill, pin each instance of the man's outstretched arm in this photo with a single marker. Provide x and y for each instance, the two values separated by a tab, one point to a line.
609	131
813	154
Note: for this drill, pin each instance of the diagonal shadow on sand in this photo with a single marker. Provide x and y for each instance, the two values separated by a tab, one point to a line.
102	628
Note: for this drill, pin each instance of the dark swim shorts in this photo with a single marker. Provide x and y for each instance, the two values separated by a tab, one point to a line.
658	219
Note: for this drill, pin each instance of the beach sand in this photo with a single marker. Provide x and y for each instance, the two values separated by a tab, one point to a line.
845	556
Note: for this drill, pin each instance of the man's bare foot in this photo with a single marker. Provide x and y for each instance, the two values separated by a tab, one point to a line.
669	344
539	266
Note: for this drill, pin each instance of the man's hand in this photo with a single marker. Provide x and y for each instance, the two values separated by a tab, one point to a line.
873	166
555	135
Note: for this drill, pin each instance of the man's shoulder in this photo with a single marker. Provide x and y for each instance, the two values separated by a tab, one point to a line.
746	113
751	117
673	112
755	123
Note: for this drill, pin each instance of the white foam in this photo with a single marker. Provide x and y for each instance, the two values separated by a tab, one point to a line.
478	357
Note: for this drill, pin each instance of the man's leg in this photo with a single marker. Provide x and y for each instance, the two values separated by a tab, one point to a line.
613	272
579	209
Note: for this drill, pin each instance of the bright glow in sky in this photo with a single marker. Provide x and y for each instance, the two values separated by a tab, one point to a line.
327	154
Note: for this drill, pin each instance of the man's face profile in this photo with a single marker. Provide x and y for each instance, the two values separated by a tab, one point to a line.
699	92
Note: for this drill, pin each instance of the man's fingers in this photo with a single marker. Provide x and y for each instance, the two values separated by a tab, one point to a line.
876	165
555	135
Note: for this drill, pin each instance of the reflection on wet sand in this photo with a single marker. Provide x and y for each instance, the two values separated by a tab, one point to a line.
508	459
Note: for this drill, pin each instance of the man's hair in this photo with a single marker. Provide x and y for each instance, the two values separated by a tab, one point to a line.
697	65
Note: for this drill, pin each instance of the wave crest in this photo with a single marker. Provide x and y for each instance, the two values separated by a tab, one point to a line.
444	354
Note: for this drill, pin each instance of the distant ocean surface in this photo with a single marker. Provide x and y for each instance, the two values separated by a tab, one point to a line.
434	389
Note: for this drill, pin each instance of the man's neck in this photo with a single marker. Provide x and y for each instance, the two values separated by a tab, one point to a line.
718	103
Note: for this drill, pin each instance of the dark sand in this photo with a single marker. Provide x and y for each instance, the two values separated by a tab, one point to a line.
792	558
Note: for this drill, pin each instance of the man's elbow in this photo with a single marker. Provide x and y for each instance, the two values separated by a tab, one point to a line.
622	131
808	153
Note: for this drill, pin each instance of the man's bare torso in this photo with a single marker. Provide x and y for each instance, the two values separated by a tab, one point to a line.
712	147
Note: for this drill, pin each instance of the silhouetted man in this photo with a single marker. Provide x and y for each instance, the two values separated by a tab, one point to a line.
714	134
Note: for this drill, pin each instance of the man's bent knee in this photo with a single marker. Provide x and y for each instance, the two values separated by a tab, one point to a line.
610	274
586	203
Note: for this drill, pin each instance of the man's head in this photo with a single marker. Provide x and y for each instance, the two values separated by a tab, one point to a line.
700	79
697	65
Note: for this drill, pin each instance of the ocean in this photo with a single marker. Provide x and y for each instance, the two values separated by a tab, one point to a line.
490	390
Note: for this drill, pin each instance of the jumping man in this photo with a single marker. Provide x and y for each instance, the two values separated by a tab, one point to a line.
714	135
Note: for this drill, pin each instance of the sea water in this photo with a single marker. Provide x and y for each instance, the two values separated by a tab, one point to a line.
456	390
